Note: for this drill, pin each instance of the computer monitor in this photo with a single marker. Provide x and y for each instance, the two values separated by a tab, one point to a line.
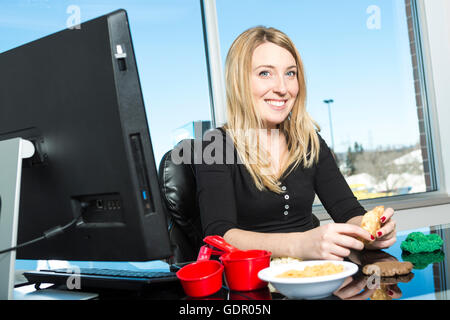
76	95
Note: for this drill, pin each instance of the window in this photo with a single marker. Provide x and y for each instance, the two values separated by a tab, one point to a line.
364	83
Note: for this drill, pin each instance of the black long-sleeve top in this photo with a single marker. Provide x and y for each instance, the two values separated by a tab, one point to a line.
228	197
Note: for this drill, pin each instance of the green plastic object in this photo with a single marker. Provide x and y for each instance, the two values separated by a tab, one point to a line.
422	260
417	242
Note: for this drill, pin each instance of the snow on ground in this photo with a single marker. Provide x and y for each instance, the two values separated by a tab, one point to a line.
405	182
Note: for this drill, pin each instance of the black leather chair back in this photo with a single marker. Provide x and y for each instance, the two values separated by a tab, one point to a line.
178	188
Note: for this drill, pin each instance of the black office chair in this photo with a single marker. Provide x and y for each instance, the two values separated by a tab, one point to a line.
178	187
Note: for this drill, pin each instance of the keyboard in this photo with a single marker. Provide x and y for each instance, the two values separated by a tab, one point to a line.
100	278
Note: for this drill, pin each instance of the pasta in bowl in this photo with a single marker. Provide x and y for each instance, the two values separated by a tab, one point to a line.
308	279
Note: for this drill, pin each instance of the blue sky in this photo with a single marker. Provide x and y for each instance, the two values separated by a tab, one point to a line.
367	72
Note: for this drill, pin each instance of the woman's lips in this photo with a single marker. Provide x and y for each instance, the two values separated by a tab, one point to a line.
276	104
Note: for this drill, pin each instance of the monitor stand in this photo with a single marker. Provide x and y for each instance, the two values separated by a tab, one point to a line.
12	153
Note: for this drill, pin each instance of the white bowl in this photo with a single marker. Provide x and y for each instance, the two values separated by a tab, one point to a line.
308	287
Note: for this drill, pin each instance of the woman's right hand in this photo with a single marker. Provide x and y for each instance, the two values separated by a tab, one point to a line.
333	241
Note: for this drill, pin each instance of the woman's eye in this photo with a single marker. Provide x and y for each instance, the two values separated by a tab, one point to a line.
264	74
291	73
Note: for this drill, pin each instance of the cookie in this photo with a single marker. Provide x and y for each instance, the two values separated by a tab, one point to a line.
388	268
371	221
393	280
381	294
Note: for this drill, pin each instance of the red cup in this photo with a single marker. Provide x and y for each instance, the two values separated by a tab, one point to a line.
242	267
201	278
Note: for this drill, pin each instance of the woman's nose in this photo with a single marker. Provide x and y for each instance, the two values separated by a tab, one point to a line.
280	86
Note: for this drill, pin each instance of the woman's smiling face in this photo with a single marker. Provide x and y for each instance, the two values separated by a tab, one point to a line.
274	83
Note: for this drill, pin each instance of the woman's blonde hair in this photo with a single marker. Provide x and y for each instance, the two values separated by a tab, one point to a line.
244	122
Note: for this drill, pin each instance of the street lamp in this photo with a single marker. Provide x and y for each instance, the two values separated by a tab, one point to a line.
328	102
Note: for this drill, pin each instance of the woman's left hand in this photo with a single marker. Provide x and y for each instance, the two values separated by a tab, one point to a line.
386	235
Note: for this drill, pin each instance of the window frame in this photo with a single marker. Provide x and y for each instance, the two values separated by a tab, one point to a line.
426	15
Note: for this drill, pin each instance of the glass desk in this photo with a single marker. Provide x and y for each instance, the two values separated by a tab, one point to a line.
430	278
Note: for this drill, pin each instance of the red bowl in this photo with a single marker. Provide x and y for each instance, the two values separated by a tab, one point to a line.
242	267
201	278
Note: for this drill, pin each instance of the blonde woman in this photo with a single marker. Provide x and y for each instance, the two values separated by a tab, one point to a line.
263	199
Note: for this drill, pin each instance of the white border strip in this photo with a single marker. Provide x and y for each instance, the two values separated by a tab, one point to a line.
215	63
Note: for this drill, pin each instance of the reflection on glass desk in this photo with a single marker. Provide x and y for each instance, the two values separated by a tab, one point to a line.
431	274
429	279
